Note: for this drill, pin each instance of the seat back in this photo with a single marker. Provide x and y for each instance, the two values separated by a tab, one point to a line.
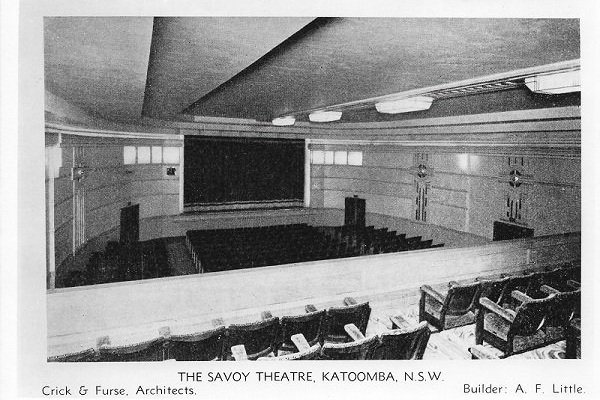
522	283
358	350
493	289
567	306
462	298
151	350
310	354
259	338
202	346
310	325
403	344
338	317
531	316
87	355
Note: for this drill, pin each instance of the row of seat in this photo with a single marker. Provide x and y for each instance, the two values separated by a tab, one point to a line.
120	262
396	344
325	332
514	313
227	249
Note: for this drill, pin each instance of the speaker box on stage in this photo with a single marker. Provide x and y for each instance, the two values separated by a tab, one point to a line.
355	211
130	224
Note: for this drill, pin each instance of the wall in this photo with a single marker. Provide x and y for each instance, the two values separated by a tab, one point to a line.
108	186
469	181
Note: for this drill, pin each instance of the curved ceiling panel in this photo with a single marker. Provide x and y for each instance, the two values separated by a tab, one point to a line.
345	59
191	56
98	63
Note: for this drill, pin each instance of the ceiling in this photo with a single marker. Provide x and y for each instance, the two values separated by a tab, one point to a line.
126	68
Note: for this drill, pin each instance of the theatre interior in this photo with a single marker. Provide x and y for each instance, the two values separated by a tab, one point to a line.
278	188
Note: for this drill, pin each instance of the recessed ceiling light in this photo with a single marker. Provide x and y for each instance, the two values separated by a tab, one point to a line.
284	121
558	83
410	104
325	116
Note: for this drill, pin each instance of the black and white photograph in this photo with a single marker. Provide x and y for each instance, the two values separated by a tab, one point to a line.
393	198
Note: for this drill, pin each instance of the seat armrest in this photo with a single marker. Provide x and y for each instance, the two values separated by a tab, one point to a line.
574	284
520	296
548	289
310	308
431	292
398	322
165	332
353	332
217	322
239	352
350	301
496	309
266	315
300	342
482	353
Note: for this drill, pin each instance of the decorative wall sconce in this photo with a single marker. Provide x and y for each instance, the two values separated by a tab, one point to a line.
79	173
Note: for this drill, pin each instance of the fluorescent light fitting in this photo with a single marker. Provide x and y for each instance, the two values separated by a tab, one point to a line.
284	121
410	104
558	83
325	116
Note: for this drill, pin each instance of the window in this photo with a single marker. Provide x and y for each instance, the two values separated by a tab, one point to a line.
337	157
171	155
329	157
318	157
355	158
341	157
150	154
129	154
143	155
157	154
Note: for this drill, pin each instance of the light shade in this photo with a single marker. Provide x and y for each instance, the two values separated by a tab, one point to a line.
284	121
410	104
558	83
325	116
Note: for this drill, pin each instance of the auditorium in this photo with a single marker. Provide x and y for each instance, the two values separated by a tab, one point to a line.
289	188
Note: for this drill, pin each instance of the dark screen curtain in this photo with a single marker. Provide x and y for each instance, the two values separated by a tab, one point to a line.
227	170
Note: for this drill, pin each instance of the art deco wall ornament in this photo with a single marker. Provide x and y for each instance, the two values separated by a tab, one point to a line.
422	173
518	182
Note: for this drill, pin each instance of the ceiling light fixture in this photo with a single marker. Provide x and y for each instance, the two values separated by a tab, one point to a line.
325	116
418	103
558	83
284	121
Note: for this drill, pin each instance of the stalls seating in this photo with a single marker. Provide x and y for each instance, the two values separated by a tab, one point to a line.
151	350
338	317
202	346
87	355
259	338
310	325
456	308
514	331
403	344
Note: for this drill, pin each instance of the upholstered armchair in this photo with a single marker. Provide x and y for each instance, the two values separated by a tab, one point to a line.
514	331
360	348
456	308
259	338
403	343
201	346
310	325
338	317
